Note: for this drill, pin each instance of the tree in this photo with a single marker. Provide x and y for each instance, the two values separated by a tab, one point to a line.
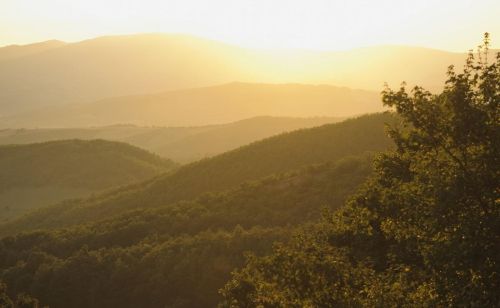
22	301
5	301
26	301
425	229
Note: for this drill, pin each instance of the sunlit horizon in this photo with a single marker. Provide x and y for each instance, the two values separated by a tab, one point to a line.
313	25
277	50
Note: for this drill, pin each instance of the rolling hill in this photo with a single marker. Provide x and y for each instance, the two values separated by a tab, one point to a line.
181	144
205	106
176	255
36	175
90	70
226	137
283	153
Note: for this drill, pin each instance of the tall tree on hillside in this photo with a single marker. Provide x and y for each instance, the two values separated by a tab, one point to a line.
424	231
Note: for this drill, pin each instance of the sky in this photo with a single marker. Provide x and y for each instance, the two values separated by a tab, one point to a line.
454	25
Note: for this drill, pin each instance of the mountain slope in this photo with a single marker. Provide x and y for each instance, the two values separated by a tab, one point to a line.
273	155
169	256
125	65
182	144
35	175
223	138
206	106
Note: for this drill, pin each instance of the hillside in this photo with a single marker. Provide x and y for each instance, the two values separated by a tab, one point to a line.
177	255
223	138
181	144
277	154
36	175
205	106
126	65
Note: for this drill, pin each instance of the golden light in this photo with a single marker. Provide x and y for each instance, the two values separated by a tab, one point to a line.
313	24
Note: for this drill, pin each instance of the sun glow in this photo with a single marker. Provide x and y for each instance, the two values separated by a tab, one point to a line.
313	24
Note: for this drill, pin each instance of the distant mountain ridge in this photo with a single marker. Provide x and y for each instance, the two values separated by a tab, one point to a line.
205	106
125	65
17	51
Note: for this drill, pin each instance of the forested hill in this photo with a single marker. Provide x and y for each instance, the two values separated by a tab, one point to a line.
181	144
222	138
176	255
273	155
34	175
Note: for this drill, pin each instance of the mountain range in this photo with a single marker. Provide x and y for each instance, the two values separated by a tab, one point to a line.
274	155
56	73
204	106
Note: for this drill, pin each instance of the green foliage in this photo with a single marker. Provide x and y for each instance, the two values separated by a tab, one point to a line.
22	301
176	255
182	271
26	301
5	301
306	273
278	154
424	231
37	175
95	164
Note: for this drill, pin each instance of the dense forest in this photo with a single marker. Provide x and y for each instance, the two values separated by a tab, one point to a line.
156	219
37	175
277	154
178	254
398	209
425	229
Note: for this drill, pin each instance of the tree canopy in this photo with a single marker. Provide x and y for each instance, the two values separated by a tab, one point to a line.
423	231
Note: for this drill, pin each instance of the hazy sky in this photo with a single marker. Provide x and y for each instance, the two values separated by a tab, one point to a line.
313	24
